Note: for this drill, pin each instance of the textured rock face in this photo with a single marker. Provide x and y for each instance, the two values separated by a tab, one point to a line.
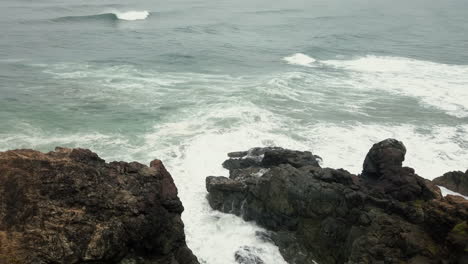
69	206
456	181
384	174
387	215
384	158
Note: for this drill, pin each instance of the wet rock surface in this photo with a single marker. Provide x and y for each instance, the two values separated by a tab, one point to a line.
248	255
388	214
456	181
70	206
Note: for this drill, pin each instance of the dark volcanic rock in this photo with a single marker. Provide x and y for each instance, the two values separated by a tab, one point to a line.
456	181
384	158
267	157
383	172
69	206
387	215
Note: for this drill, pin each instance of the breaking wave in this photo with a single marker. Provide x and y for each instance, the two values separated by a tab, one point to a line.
300	59
112	16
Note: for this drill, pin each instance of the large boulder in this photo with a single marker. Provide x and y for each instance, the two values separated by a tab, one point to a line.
384	158
386	215
456	181
70	206
384	173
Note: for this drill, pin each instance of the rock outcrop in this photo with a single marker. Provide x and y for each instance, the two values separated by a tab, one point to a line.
456	181
70	206
388	214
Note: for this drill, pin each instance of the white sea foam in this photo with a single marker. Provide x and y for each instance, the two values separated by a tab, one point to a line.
300	59
132	15
446	192
438	85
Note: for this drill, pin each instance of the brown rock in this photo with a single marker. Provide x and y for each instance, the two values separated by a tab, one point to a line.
69	206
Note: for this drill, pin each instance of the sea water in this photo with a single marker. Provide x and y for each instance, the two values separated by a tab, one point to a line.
187	81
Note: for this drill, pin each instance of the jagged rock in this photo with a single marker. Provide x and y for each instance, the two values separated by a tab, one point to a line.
70	206
297	159
387	215
456	181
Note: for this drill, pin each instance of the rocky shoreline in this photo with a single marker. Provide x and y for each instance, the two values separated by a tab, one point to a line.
387	214
70	206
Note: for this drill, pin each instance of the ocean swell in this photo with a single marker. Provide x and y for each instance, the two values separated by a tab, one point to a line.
111	16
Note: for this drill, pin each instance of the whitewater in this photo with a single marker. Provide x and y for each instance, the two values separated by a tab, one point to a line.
189	81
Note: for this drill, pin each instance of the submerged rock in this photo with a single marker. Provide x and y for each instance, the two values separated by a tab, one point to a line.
70	206
388	214
456	181
248	255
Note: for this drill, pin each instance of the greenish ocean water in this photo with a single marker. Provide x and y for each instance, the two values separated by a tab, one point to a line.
186	81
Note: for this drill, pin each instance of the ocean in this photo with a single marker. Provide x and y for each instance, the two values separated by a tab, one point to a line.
187	81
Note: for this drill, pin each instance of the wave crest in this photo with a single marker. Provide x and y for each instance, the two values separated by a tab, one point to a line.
300	59
132	15
112	16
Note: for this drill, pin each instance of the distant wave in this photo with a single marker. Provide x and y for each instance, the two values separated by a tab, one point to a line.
300	59
132	15
127	16
275	11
